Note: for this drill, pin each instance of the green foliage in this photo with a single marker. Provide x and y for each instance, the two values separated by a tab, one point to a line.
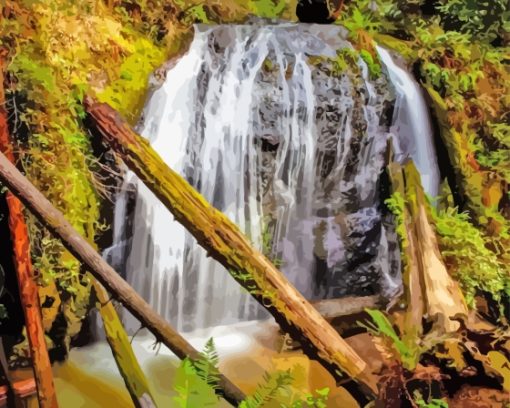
430	403
467	256
361	17
267	391
123	94
319	400
206	366
345	60
3	312
267	8
192	391
40	75
485	19
500	132
196	381
267	243
396	204
380	16
373	64
382	327
195	14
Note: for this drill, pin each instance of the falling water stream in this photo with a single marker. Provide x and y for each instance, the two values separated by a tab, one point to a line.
290	145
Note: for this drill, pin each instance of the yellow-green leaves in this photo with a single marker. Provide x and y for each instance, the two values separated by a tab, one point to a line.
470	261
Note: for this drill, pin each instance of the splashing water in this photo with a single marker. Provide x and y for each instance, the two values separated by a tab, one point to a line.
262	122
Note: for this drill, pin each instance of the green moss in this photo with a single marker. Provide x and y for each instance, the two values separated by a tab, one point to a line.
127	93
373	63
396	204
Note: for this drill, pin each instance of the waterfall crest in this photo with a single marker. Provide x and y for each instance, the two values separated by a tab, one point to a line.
260	120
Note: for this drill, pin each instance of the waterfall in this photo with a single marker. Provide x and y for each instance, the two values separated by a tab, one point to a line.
261	121
411	124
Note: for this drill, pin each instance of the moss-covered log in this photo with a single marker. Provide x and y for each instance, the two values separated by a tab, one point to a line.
129	368
223	240
413	297
56	223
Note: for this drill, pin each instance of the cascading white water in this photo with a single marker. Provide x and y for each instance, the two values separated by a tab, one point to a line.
256	119
412	125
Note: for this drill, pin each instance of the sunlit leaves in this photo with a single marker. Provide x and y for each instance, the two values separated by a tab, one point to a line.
484	19
267	8
470	261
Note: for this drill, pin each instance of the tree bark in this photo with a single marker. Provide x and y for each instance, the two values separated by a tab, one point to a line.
428	287
331	309
223	241
444	300
129	368
25	274
412	287
118	287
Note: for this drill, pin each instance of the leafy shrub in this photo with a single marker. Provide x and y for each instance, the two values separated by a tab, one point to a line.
206	366
484	19
267	8
475	266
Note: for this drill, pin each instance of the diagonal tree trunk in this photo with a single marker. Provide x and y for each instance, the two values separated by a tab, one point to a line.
129	368
224	242
25	273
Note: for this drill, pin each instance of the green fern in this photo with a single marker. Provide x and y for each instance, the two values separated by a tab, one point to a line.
196	381
268	391
206	366
192	391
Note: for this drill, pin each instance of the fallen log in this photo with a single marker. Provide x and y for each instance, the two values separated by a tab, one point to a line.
118	340
444	300
223	241
25	273
331	309
414	302
56	223
429	290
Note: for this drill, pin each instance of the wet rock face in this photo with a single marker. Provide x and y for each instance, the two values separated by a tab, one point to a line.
320	138
336	215
316	11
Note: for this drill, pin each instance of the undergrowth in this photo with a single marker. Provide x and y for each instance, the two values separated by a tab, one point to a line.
465	252
196	383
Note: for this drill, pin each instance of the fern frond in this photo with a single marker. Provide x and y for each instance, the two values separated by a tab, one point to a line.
206	365
268	390
192	391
